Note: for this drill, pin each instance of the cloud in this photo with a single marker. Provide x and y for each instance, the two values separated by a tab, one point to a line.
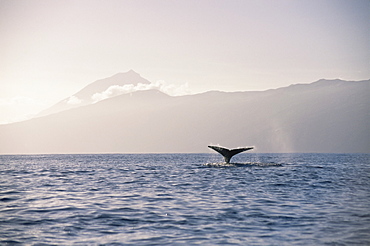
173	90
116	90
19	108
73	100
20	100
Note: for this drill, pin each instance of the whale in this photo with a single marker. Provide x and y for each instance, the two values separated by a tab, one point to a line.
228	153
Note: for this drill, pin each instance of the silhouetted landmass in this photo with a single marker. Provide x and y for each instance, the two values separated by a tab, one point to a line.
329	116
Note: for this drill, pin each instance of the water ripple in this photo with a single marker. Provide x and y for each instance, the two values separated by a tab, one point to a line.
275	199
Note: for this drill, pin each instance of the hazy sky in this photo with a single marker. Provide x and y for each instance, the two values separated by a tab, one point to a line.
51	49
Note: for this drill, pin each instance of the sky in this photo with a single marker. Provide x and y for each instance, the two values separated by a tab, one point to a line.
49	50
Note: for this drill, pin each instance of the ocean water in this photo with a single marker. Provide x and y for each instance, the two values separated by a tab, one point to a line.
185	199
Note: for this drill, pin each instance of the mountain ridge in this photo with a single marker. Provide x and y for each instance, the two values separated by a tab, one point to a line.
130	77
85	95
313	118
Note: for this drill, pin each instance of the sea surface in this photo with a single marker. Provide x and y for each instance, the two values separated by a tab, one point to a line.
185	199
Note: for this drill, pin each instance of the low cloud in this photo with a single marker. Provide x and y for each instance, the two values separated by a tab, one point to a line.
21	100
73	100
19	108
116	90
173	90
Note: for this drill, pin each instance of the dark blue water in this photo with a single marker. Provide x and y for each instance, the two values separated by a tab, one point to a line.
175	199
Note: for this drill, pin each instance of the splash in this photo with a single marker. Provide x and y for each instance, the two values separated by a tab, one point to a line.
247	164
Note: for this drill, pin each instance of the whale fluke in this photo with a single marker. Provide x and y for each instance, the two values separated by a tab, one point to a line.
228	153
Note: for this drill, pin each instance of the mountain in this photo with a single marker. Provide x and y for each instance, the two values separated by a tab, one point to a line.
86	95
330	116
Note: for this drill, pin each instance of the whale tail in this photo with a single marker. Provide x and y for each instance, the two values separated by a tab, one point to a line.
228	153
